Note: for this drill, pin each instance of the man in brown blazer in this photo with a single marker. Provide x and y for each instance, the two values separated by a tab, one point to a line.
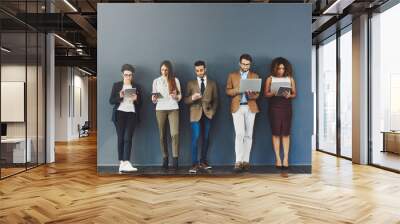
243	108
202	97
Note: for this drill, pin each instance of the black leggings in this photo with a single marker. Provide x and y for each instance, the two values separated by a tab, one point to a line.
125	125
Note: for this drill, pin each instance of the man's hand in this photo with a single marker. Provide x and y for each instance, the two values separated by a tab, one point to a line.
196	96
251	94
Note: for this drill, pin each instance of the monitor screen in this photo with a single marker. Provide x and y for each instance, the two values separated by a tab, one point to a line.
3	129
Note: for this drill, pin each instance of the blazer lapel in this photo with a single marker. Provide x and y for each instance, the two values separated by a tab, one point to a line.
237	78
208	87
120	85
196	86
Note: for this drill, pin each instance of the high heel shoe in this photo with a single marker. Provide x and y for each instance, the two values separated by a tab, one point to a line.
165	163
278	166
285	167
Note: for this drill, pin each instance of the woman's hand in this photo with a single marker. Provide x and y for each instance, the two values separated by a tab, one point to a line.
134	97
121	94
154	98
174	95
286	94
267	91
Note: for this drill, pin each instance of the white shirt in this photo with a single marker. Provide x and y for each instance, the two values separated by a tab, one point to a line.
125	105
205	81
243	75
160	85
281	79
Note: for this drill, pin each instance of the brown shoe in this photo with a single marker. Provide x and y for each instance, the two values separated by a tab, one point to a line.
246	166
205	166
194	168
238	167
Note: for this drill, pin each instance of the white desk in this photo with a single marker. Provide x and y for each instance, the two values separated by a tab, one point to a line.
18	149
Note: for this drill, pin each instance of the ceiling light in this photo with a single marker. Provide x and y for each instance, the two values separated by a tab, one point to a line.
84	71
65	41
337	7
5	50
70	5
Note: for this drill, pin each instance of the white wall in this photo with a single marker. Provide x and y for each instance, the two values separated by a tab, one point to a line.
17	73
61	103
70	83
33	127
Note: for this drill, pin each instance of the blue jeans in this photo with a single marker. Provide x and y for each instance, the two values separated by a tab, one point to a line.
200	127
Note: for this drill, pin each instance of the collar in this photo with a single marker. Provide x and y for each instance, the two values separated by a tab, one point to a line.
244	73
205	78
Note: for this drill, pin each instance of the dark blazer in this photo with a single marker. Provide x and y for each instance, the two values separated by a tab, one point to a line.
115	99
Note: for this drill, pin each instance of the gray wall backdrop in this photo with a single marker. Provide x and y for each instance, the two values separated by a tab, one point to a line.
146	34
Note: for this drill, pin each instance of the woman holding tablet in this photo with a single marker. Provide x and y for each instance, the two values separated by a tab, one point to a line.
166	95
280	88
125	96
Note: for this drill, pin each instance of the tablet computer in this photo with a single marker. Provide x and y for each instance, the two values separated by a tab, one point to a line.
282	90
130	92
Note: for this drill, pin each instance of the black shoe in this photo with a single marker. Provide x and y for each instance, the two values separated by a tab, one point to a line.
165	163
175	163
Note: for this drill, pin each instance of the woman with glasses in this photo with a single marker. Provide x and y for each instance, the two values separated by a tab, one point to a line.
126	98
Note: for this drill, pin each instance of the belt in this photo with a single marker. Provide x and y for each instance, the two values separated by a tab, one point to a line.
243	103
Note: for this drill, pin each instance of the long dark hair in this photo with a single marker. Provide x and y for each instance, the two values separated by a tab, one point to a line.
281	61
170	76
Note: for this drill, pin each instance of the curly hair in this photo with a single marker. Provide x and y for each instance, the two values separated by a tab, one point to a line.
281	61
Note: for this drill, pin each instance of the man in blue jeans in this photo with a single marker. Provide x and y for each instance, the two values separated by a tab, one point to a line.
202	98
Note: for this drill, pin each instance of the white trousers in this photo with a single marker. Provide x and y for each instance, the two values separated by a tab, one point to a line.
243	120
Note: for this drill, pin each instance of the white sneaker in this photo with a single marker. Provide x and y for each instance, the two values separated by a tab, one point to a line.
121	167
128	167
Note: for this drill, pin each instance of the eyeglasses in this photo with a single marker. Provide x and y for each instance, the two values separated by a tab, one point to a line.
127	75
245	64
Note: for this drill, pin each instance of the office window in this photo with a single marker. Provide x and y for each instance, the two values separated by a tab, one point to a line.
346	93
385	89
327	95
22	92
15	150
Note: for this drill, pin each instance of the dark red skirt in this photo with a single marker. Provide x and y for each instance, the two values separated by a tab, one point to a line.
280	115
